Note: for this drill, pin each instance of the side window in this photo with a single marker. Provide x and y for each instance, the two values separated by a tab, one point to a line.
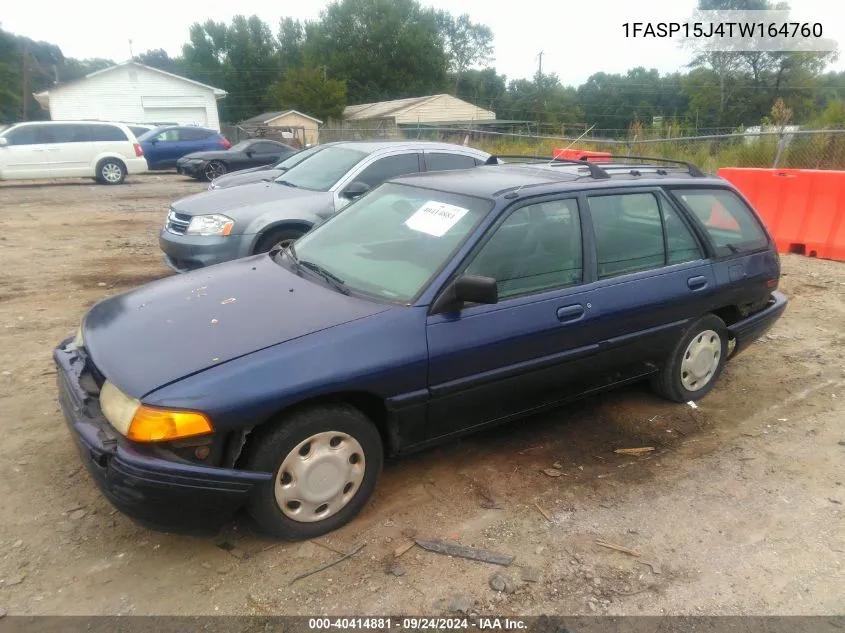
168	136
729	222
64	133
681	245
629	233
536	248
102	133
266	148
189	134
441	161
389	167
26	135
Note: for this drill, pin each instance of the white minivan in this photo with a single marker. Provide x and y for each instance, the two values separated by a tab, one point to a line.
68	149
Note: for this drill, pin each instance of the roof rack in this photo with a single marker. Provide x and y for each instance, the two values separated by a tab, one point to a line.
694	171
595	171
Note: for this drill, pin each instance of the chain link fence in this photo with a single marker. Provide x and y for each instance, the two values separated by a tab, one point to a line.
801	149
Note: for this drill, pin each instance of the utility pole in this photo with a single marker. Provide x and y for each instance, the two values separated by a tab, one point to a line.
131	55
539	90
540	68
25	80
325	68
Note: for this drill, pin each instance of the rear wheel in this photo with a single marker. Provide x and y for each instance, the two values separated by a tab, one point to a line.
281	238
695	363
111	172
214	169
325	462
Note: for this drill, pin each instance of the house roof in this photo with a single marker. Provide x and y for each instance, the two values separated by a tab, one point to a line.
44	97
268	117
383	109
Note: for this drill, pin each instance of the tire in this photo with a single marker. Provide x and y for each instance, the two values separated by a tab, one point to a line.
276	236
110	171
214	169
681	382
278	449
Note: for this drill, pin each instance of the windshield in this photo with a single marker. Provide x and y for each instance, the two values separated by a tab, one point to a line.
324	169
294	159
146	136
392	241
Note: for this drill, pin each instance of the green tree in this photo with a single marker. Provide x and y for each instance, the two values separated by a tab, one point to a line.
384	49
291	40
310	92
466	43
159	58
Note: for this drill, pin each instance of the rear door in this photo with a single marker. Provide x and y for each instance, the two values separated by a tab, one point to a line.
652	277
73	149
25	153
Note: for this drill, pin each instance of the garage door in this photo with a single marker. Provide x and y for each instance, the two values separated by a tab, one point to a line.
180	116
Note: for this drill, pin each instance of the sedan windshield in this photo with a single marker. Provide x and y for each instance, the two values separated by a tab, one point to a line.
323	169
294	159
392	241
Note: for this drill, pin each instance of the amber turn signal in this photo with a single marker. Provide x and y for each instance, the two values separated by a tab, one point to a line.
151	424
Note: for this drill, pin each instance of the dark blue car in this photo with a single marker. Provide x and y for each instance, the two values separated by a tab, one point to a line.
433	306
165	145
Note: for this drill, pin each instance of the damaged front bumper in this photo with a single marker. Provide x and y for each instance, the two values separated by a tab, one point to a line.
154	490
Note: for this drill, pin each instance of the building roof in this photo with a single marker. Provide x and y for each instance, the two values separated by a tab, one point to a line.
383	108
268	117
43	97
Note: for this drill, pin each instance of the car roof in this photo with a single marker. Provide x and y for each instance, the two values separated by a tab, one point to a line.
538	178
371	147
82	122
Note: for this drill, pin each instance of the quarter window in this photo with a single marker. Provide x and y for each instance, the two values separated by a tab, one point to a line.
729	222
632	234
536	248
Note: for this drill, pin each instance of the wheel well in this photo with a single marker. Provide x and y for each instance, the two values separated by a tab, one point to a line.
370	405
728	314
106	159
304	226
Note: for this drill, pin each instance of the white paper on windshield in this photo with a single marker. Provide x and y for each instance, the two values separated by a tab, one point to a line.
435	218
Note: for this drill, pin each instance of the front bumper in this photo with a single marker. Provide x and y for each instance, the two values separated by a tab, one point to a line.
156	492
747	330
184	253
194	170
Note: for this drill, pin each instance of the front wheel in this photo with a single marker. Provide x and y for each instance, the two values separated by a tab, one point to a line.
214	169
325	462
281	238
695	363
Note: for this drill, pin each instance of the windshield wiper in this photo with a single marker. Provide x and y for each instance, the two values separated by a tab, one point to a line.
286	183
333	279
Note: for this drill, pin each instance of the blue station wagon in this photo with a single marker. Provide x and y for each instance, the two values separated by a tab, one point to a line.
435	305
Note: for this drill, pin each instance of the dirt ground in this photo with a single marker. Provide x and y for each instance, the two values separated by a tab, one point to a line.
739	510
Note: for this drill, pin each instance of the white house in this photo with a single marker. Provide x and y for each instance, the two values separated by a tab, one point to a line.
134	93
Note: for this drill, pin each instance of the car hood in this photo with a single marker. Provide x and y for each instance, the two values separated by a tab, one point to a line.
246	176
207	155
172	328
248	195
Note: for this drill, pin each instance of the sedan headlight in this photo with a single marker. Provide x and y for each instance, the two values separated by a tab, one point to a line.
212	186
78	341
214	224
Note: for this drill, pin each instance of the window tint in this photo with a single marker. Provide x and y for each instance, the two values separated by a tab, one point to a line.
267	148
730	223
26	135
193	134
101	133
629	231
389	167
536	248
441	161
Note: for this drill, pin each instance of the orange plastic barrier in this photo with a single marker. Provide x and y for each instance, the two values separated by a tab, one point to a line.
804	209
579	154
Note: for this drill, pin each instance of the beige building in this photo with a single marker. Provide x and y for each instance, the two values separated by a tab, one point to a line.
435	109
302	127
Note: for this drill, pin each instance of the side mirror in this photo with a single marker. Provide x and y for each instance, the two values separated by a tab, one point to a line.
466	289
3	141
153	141
355	189
249	153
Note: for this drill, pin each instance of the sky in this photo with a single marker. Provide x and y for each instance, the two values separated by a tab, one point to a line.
577	37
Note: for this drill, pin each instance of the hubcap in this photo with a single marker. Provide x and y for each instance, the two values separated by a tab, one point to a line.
111	172
283	244
319	476
214	170
701	360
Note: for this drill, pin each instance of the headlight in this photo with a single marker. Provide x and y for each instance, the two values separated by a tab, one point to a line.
142	423
210	225
212	186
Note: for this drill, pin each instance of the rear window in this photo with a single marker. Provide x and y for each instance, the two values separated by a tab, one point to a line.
728	220
100	133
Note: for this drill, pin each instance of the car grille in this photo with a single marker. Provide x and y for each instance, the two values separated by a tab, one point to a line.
177	222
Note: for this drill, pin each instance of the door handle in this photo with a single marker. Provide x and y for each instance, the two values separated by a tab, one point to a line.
697	283
570	313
